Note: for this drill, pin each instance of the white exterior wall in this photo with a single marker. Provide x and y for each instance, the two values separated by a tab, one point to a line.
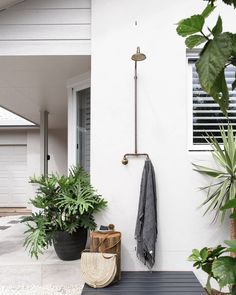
57	149
46	27
162	129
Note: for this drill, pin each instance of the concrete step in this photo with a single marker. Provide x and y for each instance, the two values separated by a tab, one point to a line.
13	211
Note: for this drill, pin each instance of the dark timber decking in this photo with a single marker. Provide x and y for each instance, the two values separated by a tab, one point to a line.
150	283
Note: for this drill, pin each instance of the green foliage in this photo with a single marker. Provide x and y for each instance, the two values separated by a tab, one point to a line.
218	52
208	10
204	258
218	267
224	270
190	26
232	245
194	40
66	203
218	28
231	204
223	188
38	237
228	2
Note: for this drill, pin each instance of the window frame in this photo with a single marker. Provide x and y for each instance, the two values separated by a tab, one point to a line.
192	56
78	97
73	86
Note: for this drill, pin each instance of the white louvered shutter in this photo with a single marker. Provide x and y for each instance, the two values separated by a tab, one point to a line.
206	113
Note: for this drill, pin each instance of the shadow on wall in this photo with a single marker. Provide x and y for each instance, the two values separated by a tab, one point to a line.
57	149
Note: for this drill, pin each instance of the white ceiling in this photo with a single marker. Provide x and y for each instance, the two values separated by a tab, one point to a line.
31	84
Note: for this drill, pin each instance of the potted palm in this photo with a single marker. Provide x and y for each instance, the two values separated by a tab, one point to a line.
67	205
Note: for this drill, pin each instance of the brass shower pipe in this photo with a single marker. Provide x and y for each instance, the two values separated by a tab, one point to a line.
138	56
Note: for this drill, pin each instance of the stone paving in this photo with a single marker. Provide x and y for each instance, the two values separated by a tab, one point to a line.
8	221
18	271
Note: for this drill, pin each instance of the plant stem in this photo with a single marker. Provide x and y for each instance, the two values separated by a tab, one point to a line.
228	64
205	36
208	284
233	233
234	290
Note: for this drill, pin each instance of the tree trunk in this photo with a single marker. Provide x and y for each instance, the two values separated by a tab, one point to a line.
233	232
234	290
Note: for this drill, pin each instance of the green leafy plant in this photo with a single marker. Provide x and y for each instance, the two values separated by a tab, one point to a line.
231	204
219	51
228	2
65	203
223	187
221	197
203	259
217	265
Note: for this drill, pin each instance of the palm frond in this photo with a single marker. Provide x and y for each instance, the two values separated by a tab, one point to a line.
223	187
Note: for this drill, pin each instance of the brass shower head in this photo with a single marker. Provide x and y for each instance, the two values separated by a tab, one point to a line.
138	56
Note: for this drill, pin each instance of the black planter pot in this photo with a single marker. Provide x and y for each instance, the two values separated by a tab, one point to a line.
69	246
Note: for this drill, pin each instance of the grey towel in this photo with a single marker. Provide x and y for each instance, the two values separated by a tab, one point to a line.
146	225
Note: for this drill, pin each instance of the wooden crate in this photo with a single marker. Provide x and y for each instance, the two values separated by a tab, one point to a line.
107	242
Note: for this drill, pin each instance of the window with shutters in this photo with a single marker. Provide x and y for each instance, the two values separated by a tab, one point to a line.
206	116
83	128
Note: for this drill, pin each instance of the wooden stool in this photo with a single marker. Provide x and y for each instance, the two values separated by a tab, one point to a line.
108	242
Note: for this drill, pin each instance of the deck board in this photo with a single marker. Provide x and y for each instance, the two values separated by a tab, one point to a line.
155	283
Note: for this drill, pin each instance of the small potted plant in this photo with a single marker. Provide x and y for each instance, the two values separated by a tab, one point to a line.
218	266
66	212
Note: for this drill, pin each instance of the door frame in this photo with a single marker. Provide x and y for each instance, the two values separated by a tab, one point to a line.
74	85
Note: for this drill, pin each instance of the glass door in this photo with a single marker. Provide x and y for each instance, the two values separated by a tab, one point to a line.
83	128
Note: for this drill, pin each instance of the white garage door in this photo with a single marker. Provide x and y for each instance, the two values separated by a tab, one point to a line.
13	176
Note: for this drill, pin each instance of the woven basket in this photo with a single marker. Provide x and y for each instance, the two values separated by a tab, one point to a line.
108	243
98	269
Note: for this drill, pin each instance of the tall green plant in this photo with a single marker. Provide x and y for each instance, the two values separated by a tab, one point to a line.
66	203
219	51
223	185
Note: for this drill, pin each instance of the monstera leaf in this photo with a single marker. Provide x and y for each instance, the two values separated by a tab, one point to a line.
224	269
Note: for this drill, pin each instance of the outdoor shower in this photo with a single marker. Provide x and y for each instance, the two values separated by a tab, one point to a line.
138	56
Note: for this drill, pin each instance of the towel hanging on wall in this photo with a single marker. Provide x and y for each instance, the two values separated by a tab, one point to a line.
146	225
